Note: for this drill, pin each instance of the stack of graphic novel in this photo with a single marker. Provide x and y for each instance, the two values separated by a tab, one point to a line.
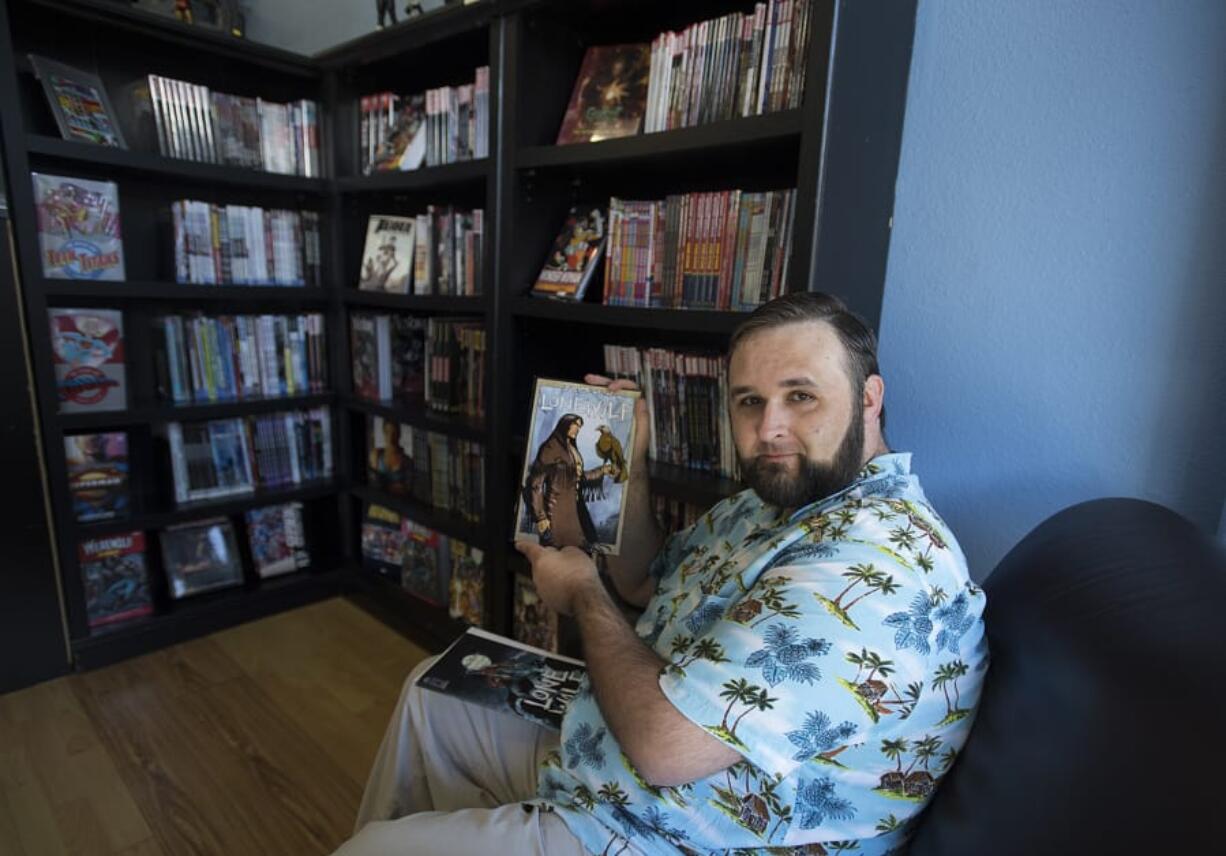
439	251
98	475
78	228
225	457
439	126
116	579
439	362
201	556
278	539
445	572
687	399
205	359
88	354
245	245
436	469
507	676
721	250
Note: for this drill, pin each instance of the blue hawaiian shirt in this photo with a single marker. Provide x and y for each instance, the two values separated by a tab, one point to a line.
839	649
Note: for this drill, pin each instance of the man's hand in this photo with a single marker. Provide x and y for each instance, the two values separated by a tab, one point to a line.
560	576
642	423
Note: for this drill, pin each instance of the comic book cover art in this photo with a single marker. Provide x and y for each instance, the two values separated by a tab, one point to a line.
610	94
575	254
405	145
383	542
427	564
387	259
534	623
278	539
98	474
504	675
467	583
78	228
88	354
116	581
408	358
78	100
201	556
364	347
573	486
389	456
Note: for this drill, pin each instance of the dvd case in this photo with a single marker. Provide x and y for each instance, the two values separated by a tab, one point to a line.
201	556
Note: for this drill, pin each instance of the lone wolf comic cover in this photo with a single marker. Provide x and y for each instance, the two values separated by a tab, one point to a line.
576	467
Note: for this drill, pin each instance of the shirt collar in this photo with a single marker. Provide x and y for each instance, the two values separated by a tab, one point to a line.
882	466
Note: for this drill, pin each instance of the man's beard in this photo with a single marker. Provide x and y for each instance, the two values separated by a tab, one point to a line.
775	485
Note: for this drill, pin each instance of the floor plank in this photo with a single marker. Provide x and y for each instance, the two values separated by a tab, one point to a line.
254	740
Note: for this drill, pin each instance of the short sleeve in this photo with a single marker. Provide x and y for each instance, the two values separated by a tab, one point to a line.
773	679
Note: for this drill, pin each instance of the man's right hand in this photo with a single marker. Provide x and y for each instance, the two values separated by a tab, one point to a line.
642	423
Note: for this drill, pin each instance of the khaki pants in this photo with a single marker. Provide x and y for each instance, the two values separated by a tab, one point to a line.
451	778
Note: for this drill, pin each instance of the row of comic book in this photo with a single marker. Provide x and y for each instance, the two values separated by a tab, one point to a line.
196	557
738	65
445	572
184	120
435	469
720	250
245	245
205	359
687	399
440	251
226	457
439	126
439	362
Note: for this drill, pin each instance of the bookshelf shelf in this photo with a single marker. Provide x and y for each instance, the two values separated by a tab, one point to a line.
472	172
692	486
125	161
192	412
191	617
456	425
222	507
416	302
451	525
57	291
745	137
687	320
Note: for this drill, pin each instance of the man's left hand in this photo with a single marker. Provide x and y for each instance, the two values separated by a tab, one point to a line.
560	575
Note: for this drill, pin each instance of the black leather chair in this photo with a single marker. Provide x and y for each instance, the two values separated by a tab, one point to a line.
1102	727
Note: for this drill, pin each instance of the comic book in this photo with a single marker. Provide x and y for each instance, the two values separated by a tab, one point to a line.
201	556
383	542
389	455
404	146
116	581
278	539
575	254
78	100
576	466
610	94
408	357
387	259
88	354
98	474
78	228
504	675
533	623
467	583
427	563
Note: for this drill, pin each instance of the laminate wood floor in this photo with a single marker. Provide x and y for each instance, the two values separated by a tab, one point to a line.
255	740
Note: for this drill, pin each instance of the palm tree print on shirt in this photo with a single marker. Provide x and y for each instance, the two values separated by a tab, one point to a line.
817	802
910	784
946	674
769	597
706	649
876	582
740	692
784	656
750	797
877	697
915	626
584	747
818	741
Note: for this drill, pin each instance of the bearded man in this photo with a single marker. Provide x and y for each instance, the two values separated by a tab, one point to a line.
806	666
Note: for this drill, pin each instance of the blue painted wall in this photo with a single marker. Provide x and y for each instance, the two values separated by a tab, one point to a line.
1054	324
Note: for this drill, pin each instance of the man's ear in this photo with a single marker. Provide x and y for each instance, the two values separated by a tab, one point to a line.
874	398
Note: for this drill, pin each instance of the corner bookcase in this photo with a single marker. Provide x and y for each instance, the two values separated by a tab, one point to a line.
839	150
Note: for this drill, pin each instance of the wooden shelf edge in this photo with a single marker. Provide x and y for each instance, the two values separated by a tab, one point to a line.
464	304
460	172
716	322
462	427
71	289
192	412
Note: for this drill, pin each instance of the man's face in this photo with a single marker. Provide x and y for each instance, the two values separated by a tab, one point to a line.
573	430
798	427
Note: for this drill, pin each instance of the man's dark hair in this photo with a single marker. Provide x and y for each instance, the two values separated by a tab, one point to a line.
859	341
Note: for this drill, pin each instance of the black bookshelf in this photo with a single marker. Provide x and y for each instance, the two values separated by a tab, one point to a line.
839	150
